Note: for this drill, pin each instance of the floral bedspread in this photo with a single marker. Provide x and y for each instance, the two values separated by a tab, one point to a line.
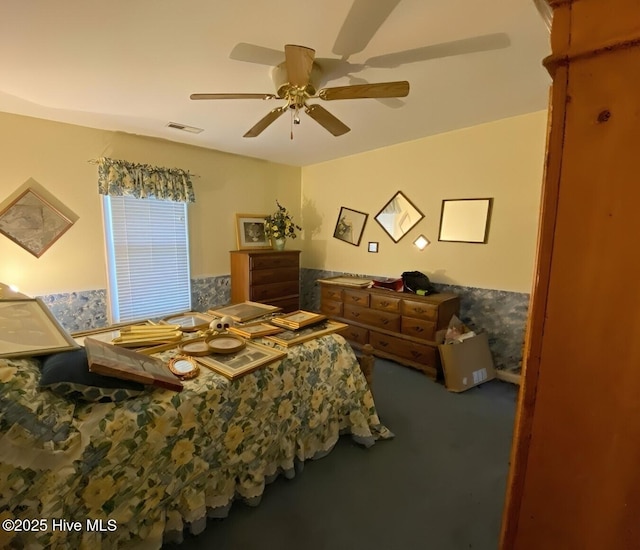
151	465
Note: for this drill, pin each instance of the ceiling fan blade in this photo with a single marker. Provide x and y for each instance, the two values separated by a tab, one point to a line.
361	24
232	96
359	91
326	119
251	53
264	122
299	61
446	49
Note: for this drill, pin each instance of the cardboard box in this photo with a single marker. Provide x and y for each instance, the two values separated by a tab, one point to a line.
467	364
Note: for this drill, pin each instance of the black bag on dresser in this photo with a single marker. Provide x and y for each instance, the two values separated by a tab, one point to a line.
417	282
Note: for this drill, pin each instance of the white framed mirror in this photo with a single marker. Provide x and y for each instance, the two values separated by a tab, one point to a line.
465	220
398	216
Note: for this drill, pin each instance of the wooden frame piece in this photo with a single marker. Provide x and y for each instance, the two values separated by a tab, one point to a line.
465	220
250	232
28	328
294	337
398	216
244	311
372	247
251	357
350	226
33	223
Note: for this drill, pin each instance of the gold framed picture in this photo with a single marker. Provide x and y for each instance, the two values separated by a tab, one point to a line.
33	223
27	328
292	337
255	330
191	321
244	311
298	319
250	232
251	357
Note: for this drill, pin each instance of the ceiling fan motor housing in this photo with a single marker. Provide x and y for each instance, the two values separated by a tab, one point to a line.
285	90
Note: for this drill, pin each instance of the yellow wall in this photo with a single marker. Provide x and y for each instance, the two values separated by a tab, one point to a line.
503	160
55	156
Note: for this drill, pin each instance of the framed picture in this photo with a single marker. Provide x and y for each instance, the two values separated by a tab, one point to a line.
373	247
127	364
244	311
298	319
33	223
255	330
465	220
251	357
350	225
250	232
27	328
190	321
398	216
293	337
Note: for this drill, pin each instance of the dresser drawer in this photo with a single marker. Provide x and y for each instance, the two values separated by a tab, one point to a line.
331	307
356	297
373	317
331	293
421	310
419	353
356	334
385	303
273	260
260	293
274	275
418	328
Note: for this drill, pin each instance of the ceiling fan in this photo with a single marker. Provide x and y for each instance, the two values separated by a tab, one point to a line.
294	79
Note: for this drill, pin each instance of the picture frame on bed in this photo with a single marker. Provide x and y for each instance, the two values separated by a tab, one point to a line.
33	223
251	232
244	311
250	358
28	328
293	337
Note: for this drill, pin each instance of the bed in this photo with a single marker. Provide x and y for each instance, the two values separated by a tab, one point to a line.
135	473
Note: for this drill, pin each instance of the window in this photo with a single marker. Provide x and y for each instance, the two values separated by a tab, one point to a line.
148	257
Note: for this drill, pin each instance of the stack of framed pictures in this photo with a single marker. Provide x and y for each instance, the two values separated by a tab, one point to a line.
289	338
252	357
245	311
298	319
255	330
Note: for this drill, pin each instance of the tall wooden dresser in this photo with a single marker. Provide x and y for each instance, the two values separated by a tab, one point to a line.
267	276
399	326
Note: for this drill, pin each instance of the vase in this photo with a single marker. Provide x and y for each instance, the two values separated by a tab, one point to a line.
278	244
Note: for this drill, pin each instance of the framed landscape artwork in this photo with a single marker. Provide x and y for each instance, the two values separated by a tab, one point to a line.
250	232
33	223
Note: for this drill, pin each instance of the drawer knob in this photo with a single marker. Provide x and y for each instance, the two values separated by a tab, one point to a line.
384	344
356	299
385	321
356	314
418	329
384	304
416	354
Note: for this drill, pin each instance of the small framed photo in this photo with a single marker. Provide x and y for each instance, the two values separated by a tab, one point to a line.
251	357
350	225
373	247
250	232
33	223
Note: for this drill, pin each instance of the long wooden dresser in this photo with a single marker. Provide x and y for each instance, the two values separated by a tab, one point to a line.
399	326
267	276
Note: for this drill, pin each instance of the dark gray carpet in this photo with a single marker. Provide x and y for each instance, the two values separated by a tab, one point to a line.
438	485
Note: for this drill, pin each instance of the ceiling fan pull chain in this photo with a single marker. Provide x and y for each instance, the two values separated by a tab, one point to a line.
291	134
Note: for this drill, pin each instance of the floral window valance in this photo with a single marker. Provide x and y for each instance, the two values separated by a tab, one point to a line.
119	177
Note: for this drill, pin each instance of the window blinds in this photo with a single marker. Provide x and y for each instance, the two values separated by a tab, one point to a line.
148	256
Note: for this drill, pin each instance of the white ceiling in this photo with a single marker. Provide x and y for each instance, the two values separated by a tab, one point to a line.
130	65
